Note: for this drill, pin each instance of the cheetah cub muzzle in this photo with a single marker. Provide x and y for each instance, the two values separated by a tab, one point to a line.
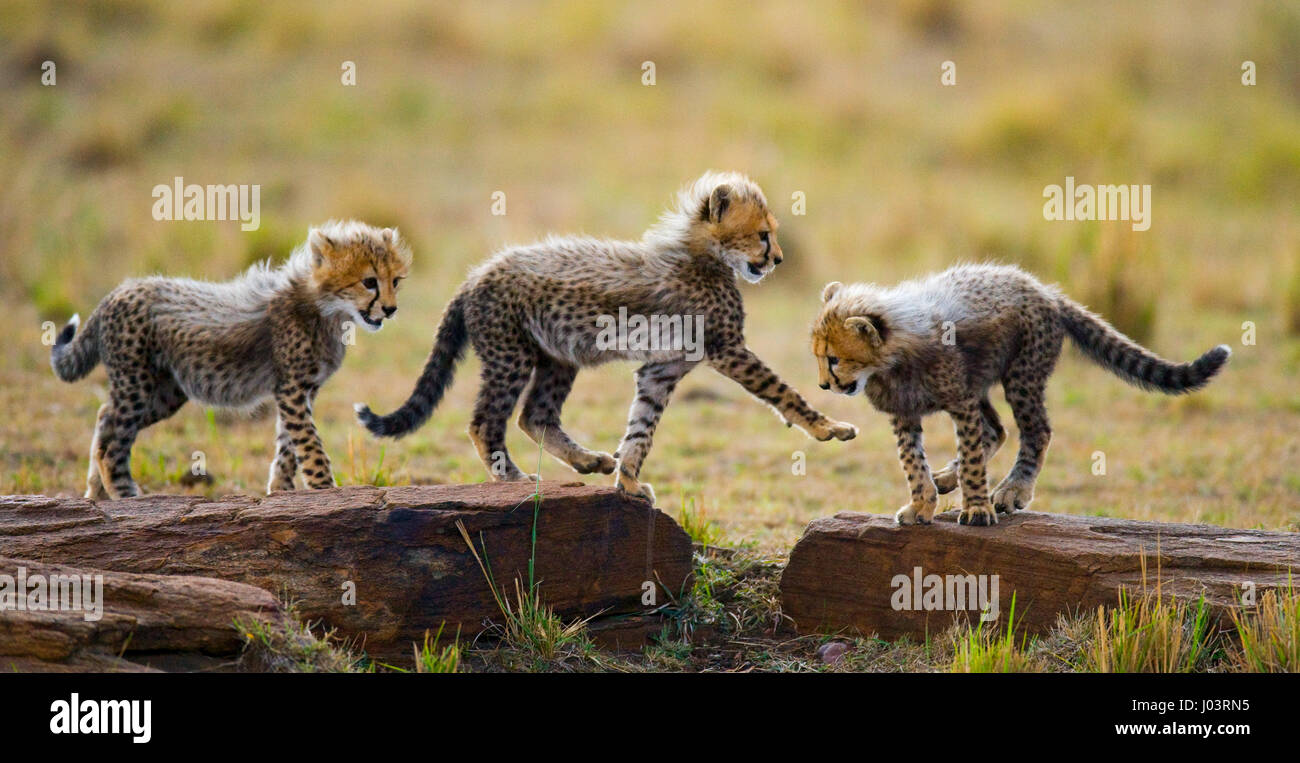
536	314
940	343
272	332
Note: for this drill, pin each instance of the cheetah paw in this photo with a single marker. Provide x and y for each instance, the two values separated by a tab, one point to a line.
634	489
1013	495
836	430
946	479
977	515
515	476
594	462
916	513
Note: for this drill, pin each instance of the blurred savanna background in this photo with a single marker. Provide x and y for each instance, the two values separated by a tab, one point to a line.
837	104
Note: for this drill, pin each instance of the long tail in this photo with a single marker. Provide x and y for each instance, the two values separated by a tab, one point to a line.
448	349
76	354
1131	361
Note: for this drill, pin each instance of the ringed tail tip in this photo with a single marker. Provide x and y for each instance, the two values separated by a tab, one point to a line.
368	419
68	331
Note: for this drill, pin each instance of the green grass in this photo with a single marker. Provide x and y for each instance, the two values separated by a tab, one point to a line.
1151	631
698	526
432	658
1269	633
286	644
983	649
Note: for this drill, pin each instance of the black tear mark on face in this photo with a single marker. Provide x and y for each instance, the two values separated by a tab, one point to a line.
830	369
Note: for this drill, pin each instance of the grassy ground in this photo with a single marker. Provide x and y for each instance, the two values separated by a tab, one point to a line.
841	102
730	621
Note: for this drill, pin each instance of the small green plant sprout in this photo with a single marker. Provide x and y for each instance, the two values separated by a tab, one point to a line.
698	526
981	649
430	658
530	625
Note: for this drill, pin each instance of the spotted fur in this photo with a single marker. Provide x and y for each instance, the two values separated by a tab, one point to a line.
531	314
939	344
269	333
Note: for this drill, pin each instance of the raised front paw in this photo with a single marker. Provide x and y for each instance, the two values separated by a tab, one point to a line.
835	430
593	462
636	489
842	430
916	513
1013	495
977	515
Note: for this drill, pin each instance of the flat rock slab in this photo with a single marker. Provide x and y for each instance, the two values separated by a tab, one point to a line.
381	565
114	621
862	573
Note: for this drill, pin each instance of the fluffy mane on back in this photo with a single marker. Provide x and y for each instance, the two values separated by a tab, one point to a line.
673	228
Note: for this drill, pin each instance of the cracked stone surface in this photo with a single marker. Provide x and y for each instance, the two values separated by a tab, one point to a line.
842	574
399	548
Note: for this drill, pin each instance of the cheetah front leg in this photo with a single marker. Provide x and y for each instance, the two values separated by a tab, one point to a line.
969	422
741	365
925	498
654	385
1016	491
293	400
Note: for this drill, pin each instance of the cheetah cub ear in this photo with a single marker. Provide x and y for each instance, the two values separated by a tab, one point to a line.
719	200
322	246
866	329
830	290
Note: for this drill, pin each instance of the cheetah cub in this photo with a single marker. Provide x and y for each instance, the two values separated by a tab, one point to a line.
534	315
271	332
939	344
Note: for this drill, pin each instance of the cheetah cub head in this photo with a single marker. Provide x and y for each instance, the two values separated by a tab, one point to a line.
849	341
730	219
357	268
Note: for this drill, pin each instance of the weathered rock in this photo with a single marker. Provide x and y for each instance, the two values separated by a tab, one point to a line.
138	620
841	574
398	548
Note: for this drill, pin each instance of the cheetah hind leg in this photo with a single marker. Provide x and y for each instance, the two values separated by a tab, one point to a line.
94	479
502	380
948	478
540	418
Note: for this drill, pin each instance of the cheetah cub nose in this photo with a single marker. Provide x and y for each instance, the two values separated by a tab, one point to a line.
388	311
